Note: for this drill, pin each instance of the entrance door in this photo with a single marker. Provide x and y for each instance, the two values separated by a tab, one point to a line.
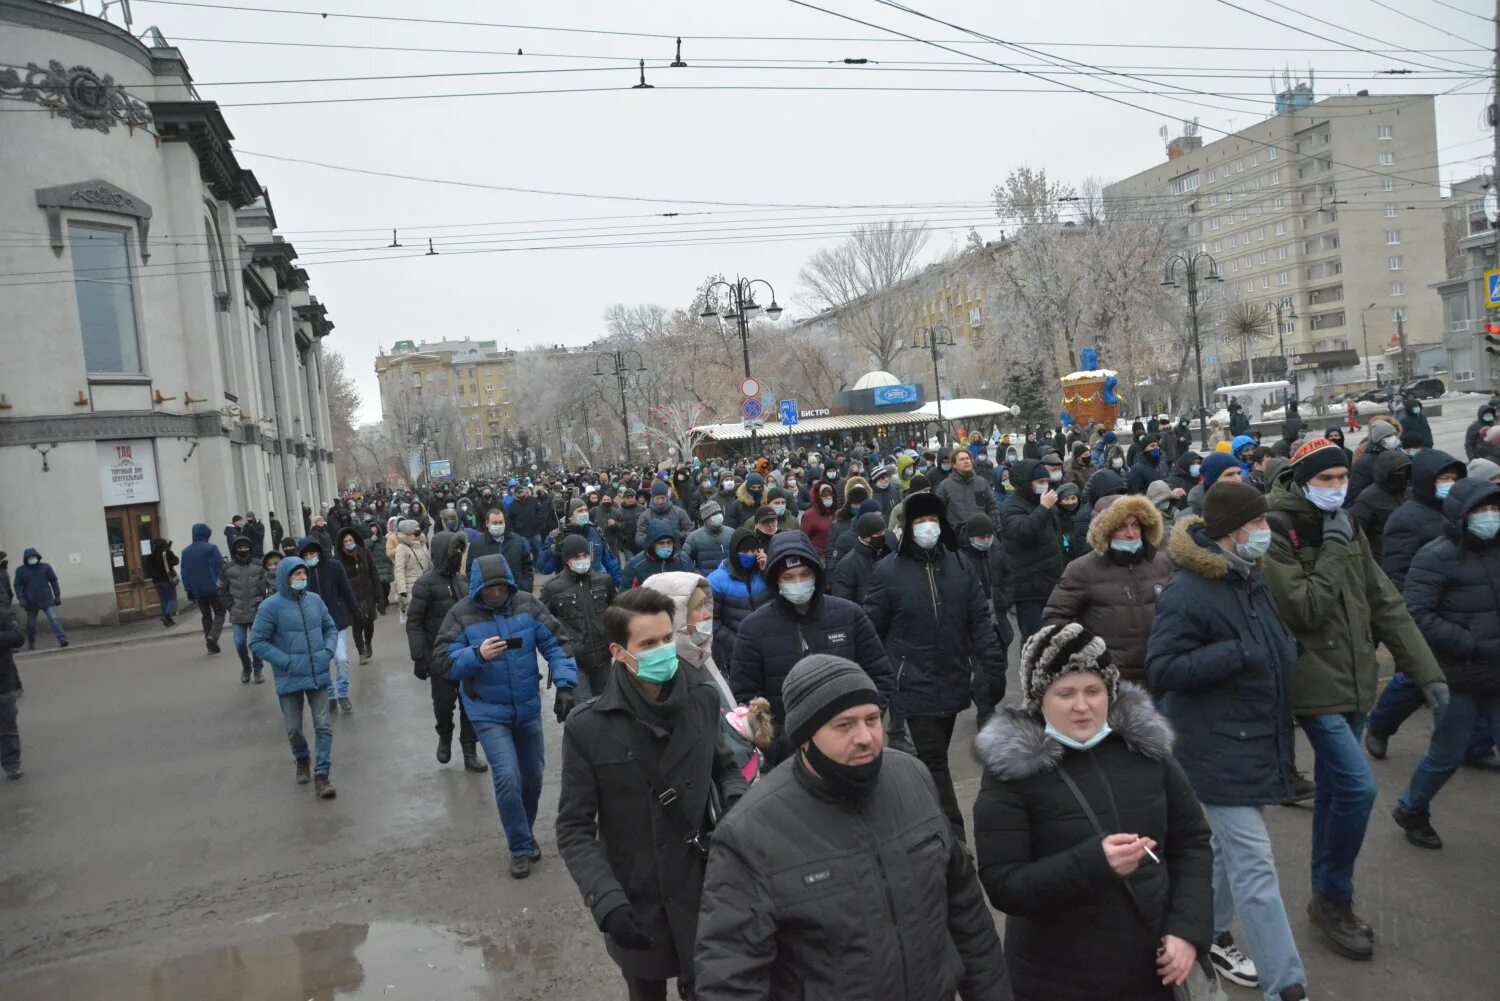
130	530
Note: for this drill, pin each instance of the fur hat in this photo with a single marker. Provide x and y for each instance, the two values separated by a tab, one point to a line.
408	526
1054	651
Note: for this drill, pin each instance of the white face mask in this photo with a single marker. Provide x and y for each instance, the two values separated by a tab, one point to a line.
927	533
1390	443
715	520
703	631
1117	462
1327	498
580	566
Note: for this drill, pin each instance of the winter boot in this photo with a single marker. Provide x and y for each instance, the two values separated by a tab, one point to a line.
1377	744
471	759
520	867
213	645
322	788
1418	827
258	677
346	705
445	749
304	771
364	656
1342	932
244	676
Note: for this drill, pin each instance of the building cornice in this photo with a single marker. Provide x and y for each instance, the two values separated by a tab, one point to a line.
201	125
277	255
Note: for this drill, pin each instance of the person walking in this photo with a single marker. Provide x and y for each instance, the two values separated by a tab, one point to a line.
200	566
254	530
496	538
1336	601
243	585
385	570
661	555
1221	665
11	638
1033	544
294	633
326	578
995	579
853	827
965	493
364	584
1079	786
851	578
577	522
489	643
1384	436
161	567
708	546
411	560
739	588
440	587
577	597
1375	505
633	837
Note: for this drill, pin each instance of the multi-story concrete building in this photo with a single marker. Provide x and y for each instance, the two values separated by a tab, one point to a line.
1330	207
163	360
445	396
1470	366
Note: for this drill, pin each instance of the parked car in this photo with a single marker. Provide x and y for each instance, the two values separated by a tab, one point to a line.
1381	395
1425	389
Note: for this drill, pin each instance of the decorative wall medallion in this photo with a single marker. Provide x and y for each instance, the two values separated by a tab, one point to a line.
80	95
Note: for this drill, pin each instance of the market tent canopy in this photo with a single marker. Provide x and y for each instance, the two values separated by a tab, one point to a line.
953	410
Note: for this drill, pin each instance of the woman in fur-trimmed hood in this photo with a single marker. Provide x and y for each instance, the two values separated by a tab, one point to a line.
1065	885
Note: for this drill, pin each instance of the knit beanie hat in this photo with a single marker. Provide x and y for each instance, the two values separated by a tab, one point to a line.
408	526
574	545
755	480
1213	467
818	688
576	503
1068	489
1159	493
1054	651
1380	428
659	488
980	525
1483	469
1229	506
918	483
1314	456
708	509
1491	435
870	524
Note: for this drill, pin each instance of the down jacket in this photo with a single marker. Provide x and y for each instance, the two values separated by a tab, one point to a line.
507	689
242	586
1377	502
1113	595
200	565
1420	519
550	560
294	633
1042	862
706	548
515	549
329	581
1453	591
412	560
966	496
1033	546
360	569
444	585
1221	666
579	602
807	896
737	593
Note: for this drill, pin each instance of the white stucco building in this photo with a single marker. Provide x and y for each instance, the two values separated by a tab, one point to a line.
162	357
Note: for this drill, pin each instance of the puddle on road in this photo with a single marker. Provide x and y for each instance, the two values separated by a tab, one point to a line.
344	963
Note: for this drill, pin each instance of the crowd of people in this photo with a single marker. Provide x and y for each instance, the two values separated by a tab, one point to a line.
759	664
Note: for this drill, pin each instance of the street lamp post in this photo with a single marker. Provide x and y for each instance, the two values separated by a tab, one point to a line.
1190	267
742	307
936	336
1281	342
621	362
1365	332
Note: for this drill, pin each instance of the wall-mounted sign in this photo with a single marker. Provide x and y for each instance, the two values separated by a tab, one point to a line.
815	413
890	396
127	472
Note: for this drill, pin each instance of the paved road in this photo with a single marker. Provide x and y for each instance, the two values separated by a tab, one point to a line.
158	848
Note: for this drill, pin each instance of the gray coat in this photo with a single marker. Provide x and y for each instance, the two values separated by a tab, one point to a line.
966	497
810	897
241	589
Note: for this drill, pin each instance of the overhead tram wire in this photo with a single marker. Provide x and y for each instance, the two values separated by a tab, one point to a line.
1482	17
1418	20
1339	27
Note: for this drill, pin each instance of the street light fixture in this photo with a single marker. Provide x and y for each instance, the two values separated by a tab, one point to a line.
936	336
743	306
1190	267
621	362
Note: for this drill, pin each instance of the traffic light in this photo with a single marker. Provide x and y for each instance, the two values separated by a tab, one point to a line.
1492	337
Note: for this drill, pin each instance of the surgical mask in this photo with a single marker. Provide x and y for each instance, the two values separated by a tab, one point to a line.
299	585
982	544
882	483
33	561
349	546
1442	489
927	533
1390	443
779	507
663	552
1125	545
1327	498
1041	488
1055	475
1416	410
1078	745
1254	547
715	520
833	474
800	593
704	629
496	531
580	566
1484	524
728	484
311	561
1117	462
581	518
945	466
657	665
1488	418
745	560
1194	469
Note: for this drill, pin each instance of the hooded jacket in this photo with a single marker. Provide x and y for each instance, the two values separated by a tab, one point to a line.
161	564
1041	864
1473	431
200	565
329	581
1453	591
1221	664
1103	483
851	576
36	586
1376	504
1414	422
1029	532
294	633
1114	595
507	689
646	563
411	560
843	521
242	586
440	587
930	609
817	521
1362	474
737	593
1420	519
1144	472
360	569
550	560
1182	476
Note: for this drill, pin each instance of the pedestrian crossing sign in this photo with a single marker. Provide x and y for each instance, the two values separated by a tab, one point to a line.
1492	289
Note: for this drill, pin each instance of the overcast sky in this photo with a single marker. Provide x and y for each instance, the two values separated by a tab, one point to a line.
763	130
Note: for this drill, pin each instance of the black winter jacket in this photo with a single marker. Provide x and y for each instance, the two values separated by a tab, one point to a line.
995	581
579	604
1415	423
12	636
1102	483
1042	863
1473	431
527	516
329	581
359	567
1029	531
515	549
707	548
1377	502
851	576
436	591
1220	663
1419	520
1453	592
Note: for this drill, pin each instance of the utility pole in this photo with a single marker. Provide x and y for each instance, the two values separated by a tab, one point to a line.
1406	373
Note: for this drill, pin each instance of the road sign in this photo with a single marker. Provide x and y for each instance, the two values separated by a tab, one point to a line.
750	388
1492	288
753	410
788	410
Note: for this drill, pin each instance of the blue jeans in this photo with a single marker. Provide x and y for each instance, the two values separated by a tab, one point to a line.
166	593
1449	744
338	686
1029	618
1245	883
242	647
1401	698
291	715
51	613
535	542
515	754
1345	797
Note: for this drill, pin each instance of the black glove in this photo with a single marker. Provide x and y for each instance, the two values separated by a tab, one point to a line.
1338	527
622	925
562	704
419	668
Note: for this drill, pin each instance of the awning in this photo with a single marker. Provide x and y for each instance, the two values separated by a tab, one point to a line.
953	410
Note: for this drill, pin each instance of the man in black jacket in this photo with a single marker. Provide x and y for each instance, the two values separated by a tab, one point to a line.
436	591
931	612
499	540
326	578
1033	544
577	597
800	619
642	770
980	546
527	519
851	578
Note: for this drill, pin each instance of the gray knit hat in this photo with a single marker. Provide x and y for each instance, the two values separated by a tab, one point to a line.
1483	469
1054	651
708	509
818	688
1381	428
408	526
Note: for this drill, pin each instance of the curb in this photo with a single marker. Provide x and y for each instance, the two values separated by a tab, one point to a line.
146	638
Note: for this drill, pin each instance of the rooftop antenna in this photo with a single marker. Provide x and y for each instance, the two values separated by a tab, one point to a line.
430	251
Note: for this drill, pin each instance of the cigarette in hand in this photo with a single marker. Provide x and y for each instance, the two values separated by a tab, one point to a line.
1151	854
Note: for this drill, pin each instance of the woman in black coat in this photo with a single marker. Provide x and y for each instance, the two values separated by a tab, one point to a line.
1064	884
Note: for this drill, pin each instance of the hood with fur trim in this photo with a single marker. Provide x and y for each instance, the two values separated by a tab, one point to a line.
1191	549
1108	517
1014	745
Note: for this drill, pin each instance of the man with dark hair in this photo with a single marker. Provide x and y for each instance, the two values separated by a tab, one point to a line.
496	538
644	779
579	596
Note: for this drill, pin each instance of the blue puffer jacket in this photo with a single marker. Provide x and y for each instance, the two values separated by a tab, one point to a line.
294	633
737	593
1420	519
604	558
508	689
1220	662
707	548
1453	592
36	586
200	564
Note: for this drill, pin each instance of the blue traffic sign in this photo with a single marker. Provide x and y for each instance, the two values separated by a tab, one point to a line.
788	410
1492	289
752	409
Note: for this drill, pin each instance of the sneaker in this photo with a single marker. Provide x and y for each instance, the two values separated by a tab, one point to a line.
322	788
536	851
445	750
520	866
1484	763
1418	828
346	705
245	676
62	642
1377	745
1344	933
213	645
1232	964
1303	790
304	771
1296	992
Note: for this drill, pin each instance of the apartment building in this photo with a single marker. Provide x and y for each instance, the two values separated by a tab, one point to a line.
1332	208
451	392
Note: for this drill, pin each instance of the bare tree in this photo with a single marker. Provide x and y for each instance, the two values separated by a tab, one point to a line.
862	280
671	426
1247	325
343	404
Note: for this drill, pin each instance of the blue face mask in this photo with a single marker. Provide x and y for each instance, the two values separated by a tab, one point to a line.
1194	469
1441	490
1484	524
1078	745
299	585
311	561
1125	545
745	560
664	552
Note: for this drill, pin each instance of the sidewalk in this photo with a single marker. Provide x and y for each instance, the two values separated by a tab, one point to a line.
92	637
